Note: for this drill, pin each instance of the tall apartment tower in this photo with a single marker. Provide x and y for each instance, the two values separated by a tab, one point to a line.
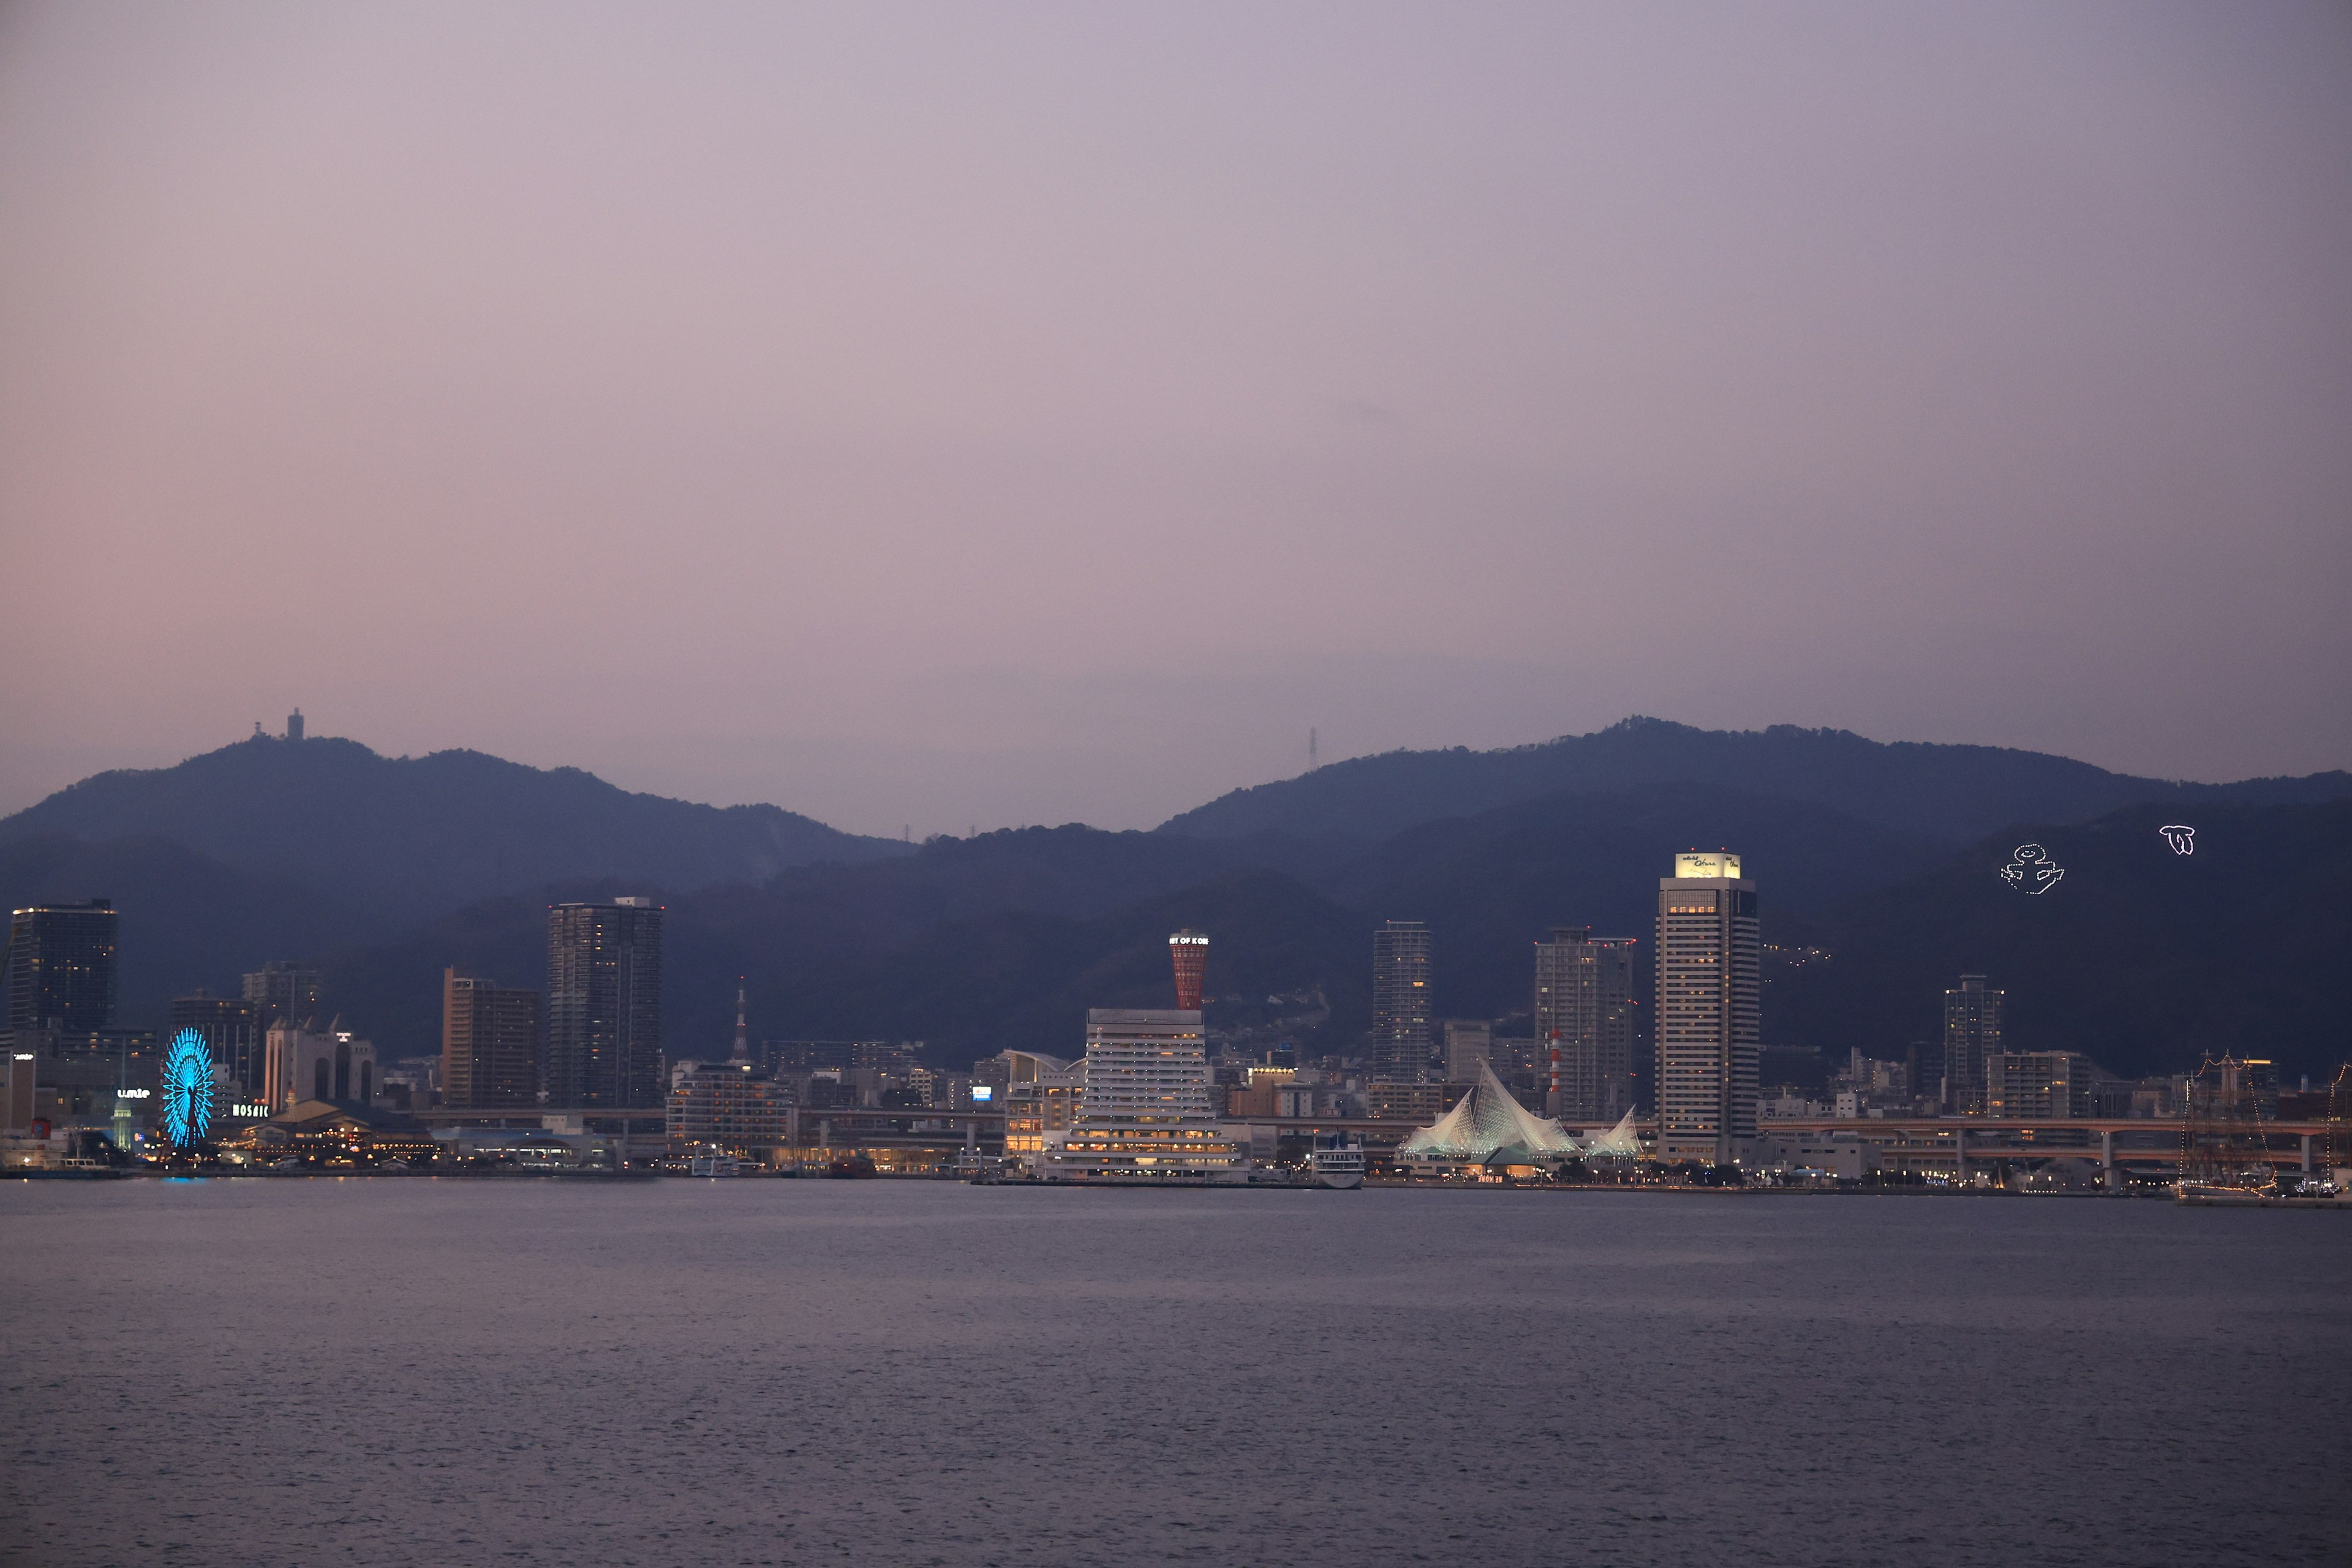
1584	1007
489	1044
1188	950
1403	1041
604	1004
230	1031
281	994
1708	1020
1971	1036
60	968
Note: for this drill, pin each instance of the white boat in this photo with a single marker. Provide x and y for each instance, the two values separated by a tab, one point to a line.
1336	1161
714	1165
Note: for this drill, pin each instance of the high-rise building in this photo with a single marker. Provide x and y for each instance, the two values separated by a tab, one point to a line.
1401	1037
604	1004
1189	949
1584	1022
1469	1046
1144	1112
281	994
60	968
1707	1022
230	1031
2036	1084
489	1044
1971	1036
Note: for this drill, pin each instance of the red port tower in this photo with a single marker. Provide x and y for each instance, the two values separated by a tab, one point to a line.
1190	949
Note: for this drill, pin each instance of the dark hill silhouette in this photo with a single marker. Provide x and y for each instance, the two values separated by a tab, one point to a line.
1949	793
185	920
407	838
2140	957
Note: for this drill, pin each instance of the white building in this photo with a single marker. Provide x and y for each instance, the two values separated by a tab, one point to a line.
303	1063
1707	1022
1143	1112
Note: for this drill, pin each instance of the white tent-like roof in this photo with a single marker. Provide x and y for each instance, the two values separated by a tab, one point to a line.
1487	1119
1619	1141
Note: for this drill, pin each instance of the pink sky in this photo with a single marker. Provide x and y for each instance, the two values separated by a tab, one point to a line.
973	416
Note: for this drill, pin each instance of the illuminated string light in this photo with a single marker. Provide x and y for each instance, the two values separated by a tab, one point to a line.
2031	868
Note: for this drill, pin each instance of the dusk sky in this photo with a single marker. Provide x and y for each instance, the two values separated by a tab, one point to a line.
986	415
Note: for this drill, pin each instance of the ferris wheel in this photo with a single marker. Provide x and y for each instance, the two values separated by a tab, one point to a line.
187	1090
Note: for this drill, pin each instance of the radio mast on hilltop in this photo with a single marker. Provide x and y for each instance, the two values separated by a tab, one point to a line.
1310	748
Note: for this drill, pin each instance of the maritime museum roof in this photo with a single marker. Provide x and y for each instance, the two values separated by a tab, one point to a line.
1484	1120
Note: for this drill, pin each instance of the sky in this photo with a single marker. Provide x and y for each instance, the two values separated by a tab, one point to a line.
940	417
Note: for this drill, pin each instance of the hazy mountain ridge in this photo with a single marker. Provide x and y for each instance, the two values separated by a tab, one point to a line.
1005	938
1950	794
408	837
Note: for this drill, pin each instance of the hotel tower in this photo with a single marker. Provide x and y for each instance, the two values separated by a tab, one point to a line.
1707	1022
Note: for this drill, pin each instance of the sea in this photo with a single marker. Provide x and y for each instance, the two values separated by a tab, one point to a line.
305	1372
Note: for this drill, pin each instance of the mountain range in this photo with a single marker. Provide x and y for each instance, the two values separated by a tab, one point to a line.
1881	861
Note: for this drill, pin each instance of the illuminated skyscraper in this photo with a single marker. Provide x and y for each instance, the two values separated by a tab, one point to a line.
489	1044
60	968
1707	1016
604	1004
1971	1037
1189	950
1402	1040
1585	1007
1144	1112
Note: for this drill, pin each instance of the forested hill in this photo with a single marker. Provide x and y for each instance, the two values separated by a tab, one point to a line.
411	837
1947	793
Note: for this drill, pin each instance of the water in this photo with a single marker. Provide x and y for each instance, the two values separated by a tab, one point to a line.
724	1373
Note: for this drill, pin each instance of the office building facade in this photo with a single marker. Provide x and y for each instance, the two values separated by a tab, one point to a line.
603	1006
1584	1021
281	994
1708	1019
1403	1038
1971	1037
2037	1085
489	1044
60	970
1469	1046
230	1032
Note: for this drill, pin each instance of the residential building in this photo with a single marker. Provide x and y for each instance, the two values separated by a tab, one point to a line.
1585	1016
1409	1102
2049	1085
489	1044
731	1106
603	1022
1144	1114
230	1031
1469	1048
1402	1042
60	968
281	992
1971	1036
1708	1024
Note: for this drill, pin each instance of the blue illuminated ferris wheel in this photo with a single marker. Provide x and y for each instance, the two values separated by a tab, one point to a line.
187	1090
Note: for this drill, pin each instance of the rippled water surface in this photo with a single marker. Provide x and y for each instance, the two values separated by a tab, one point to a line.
755	1371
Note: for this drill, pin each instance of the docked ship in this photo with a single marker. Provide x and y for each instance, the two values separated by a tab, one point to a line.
1336	1161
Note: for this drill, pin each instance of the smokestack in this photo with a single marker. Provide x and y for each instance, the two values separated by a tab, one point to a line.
1189	950
742	1035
